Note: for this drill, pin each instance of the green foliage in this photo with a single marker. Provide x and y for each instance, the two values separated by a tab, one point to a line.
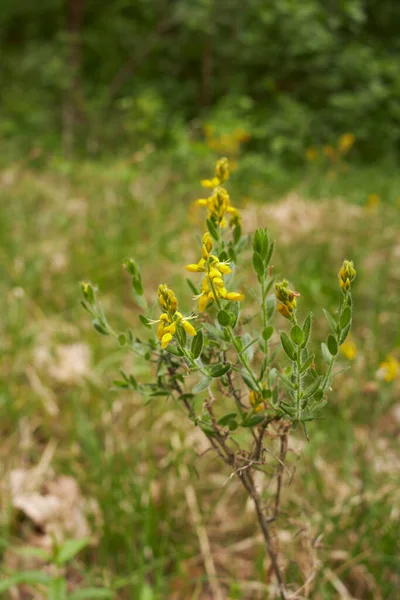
292	74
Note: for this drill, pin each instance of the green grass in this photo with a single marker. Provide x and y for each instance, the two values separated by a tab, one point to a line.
62	223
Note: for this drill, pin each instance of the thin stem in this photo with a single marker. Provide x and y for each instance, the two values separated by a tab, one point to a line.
234	341
247	481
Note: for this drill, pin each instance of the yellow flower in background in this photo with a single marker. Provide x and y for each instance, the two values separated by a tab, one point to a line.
373	202
329	152
346	141
389	369
311	154
349	348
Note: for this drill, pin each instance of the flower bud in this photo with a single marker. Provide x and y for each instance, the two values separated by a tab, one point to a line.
346	275
222	169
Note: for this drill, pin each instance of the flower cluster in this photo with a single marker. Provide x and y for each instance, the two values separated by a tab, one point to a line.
219	203
256	401
213	285
346	275
171	318
287	299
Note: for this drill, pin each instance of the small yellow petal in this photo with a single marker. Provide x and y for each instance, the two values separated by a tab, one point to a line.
166	340
235	296
188	327
214	273
203	300
223	292
160	330
224	268
170	329
207	183
218	282
193	268
201	202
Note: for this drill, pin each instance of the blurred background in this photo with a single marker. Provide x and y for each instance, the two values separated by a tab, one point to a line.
110	114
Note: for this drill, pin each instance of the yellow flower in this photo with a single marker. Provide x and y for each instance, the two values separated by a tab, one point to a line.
346	275
346	141
287	299
235	296
349	348
188	327
219	203
167	299
171	318
311	154
213	285
165	340
389	369
256	401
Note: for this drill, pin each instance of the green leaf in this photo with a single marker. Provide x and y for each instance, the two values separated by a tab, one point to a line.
140	300
260	242
332	345
57	590
192	287
344	334
89	593
258	264
220	369
32	551
307	364
326	355
120	384
225	419
296	335
99	327
197	344
175	351
224	318
288	346
270	253
252	420
137	285
237	232
331	320
28	577
248	349
266	394
345	317
122	339
319	394
234	310
145	321
249	381
212	229
131	267
207	428
270	306
201	385
307	329
311	389
267	333
264	366
69	549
